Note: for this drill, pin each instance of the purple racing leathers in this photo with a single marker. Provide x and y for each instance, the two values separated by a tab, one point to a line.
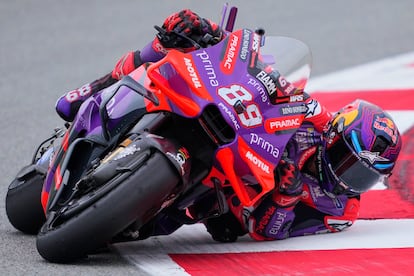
317	211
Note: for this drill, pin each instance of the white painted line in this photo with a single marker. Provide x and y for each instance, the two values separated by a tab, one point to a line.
383	233
150	261
388	73
404	119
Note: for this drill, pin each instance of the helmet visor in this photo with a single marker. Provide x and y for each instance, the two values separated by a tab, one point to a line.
353	173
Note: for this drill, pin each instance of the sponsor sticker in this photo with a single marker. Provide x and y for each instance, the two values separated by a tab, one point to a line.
208	68
386	125
244	49
264	144
228	63
192	72
285	123
290	110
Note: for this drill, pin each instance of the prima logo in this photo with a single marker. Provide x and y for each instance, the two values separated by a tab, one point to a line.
264	144
208	67
280	216
263	95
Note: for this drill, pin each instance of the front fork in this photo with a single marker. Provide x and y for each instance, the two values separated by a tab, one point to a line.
40	160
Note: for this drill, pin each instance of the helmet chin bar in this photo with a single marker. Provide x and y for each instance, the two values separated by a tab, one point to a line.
339	187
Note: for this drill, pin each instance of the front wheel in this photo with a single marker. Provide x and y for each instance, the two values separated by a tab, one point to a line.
23	206
135	199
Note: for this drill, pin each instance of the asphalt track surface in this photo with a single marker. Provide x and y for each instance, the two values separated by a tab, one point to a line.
48	47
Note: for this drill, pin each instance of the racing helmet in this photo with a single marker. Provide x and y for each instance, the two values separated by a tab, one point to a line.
360	147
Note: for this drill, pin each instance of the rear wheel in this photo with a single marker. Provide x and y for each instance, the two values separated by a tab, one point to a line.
136	199
23	205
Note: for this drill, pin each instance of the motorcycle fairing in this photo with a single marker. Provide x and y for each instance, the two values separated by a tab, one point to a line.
234	76
100	121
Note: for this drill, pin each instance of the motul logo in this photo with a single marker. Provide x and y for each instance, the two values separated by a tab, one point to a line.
192	72
257	162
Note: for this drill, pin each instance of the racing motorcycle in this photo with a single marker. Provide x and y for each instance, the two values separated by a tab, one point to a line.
159	148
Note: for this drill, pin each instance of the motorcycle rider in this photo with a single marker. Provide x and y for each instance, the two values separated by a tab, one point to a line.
327	164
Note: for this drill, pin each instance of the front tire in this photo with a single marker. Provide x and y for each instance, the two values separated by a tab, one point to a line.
23	206
136	199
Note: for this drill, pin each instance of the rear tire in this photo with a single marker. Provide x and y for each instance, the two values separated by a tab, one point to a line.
23	206
137	198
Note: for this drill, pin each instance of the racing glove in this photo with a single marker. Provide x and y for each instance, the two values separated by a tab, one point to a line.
289	185
182	29
273	217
